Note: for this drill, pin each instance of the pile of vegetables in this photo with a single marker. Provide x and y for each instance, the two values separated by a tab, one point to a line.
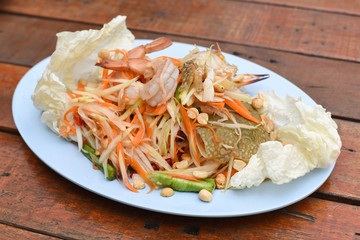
123	135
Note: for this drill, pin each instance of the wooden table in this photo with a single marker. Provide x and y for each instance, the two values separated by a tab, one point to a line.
314	44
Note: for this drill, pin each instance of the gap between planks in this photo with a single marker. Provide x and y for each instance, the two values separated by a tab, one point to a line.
298	7
34	230
179	35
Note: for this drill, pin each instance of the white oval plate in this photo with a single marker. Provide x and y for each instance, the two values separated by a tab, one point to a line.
64	158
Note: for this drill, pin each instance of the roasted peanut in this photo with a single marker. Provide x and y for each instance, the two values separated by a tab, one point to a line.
167	192
193	113
186	157
83	82
200	174
104	54
203	118
220	181
269	126
205	195
139	184
239	164
184	164
257	103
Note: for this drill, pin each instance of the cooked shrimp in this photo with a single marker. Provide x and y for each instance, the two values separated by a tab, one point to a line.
163	85
135	59
156	45
132	93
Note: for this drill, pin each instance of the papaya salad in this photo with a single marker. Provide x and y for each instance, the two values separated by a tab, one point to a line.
184	124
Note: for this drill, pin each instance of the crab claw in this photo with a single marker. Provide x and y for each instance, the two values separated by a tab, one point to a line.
252	78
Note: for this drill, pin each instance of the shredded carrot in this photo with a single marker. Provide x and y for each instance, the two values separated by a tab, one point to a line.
120	150
148	129
101	126
233	171
63	131
123	75
70	95
139	136
228	113
238	107
80	87
108	104
179	80
73	109
182	176
190	131
212	130
175	61
160	110
136	166
218	47
95	167
175	157
142	108
120	51
219	105
105	76
115	132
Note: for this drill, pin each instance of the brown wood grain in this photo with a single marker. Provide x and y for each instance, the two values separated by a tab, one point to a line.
343	6
10	232
9	77
329	82
269	26
35	197
345	178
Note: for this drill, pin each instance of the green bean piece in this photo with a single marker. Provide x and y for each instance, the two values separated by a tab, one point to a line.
89	152
182	185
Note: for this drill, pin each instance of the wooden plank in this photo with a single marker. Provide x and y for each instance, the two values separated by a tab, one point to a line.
35	197
288	29
9	232
343	6
329	82
10	75
345	178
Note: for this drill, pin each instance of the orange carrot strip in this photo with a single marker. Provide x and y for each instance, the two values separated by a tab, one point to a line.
108	104
142	108
190	132
95	167
219	105
238	107
160	110
63	131
233	171
138	137
122	52
175	157
80	87
70	95
218	47
148	129
120	150
73	109
123	75
136	166
212	130
101	126
182	176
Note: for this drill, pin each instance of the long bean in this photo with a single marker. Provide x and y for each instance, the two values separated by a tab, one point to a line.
89	152
181	185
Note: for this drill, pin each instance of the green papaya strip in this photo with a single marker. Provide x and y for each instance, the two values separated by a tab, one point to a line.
181	185
89	152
